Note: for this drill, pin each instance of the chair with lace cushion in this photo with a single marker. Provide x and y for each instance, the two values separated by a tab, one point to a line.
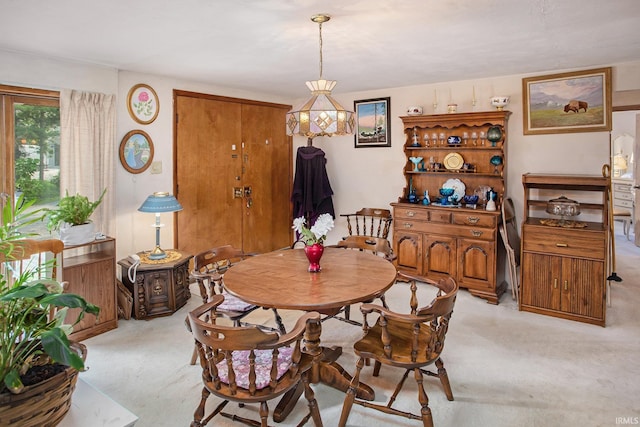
375	245
410	341
208	271
372	222
247	365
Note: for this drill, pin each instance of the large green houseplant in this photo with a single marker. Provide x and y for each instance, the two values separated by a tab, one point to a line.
71	218
30	334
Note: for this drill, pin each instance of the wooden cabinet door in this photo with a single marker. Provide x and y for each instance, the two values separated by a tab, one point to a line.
408	251
476	261
233	174
541	284
582	287
95	281
440	256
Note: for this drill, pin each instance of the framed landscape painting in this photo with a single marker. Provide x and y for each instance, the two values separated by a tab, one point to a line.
373	126
579	101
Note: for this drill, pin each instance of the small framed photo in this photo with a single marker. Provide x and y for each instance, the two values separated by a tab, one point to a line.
373	124
136	151
143	104
579	101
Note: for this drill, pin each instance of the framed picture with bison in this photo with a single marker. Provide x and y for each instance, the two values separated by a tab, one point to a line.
579	101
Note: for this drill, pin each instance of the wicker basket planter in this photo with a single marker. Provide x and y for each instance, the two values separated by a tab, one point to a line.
44	404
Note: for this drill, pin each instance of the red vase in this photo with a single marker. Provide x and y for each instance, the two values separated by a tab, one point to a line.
314	253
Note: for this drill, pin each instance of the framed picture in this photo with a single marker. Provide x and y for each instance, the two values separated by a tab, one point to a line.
373	126
136	151
143	104
579	101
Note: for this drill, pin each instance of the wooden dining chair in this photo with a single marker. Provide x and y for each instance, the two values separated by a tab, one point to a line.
208	271
509	233
410	341
41	258
372	222
247	365
375	245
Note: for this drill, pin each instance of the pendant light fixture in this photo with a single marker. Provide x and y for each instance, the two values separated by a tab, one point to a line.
320	115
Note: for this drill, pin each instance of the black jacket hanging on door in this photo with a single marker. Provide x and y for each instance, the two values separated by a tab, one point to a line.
311	189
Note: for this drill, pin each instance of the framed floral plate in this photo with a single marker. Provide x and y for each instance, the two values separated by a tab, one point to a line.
143	104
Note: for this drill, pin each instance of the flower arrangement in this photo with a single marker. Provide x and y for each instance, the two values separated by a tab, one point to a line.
318	231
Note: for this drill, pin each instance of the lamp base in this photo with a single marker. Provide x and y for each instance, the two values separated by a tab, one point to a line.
157	253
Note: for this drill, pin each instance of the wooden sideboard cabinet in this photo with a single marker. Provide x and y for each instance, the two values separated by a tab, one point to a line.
460	241
160	289
563	269
90	270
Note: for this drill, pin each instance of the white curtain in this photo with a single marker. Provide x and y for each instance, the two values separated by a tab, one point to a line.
87	151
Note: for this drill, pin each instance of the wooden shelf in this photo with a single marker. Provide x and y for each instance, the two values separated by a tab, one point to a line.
563	270
440	241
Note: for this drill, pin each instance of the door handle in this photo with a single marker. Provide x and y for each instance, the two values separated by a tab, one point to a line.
247	191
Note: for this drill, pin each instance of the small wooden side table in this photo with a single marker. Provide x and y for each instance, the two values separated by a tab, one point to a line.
158	288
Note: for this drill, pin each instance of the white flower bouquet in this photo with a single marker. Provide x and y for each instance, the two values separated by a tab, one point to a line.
318	231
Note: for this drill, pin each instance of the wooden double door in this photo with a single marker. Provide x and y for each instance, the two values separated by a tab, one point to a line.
233	165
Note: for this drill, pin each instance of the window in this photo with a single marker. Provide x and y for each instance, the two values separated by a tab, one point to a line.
30	137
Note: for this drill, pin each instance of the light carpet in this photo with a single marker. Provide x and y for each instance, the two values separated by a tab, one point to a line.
506	367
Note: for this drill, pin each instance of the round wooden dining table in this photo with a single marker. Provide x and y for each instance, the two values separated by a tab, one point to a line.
280	279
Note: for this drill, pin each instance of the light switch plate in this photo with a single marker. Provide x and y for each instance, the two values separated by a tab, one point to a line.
156	167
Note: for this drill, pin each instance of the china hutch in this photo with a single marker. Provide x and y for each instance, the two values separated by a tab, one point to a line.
564	260
453	235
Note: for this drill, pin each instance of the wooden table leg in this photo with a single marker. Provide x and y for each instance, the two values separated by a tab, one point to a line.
329	373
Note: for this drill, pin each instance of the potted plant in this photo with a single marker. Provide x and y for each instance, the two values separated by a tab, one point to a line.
33	337
71	218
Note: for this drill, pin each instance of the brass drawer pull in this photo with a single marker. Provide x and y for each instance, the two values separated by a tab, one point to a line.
565	285
555	283
411	214
473	219
408	225
476	233
562	245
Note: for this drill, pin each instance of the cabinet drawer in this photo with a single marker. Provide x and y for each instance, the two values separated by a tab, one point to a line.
475	220
623	203
409	213
622	187
557	241
625	196
442	217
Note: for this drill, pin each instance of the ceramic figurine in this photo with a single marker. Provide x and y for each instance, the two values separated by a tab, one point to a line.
426	200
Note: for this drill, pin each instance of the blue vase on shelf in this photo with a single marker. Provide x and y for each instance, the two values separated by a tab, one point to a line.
425	199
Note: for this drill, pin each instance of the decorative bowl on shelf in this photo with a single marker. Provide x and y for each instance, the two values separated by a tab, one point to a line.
563	207
471	199
446	193
496	161
500	102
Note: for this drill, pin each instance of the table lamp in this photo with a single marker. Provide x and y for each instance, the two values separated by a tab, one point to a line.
157	203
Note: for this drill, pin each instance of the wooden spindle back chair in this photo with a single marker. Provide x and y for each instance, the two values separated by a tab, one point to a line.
245	364
372	222
410	341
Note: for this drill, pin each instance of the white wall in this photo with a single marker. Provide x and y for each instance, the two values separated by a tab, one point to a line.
360	177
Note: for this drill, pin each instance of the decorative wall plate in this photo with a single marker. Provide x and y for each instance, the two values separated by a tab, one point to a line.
453	161
136	151
143	104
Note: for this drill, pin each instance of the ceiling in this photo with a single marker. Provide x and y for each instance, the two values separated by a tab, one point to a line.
271	46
